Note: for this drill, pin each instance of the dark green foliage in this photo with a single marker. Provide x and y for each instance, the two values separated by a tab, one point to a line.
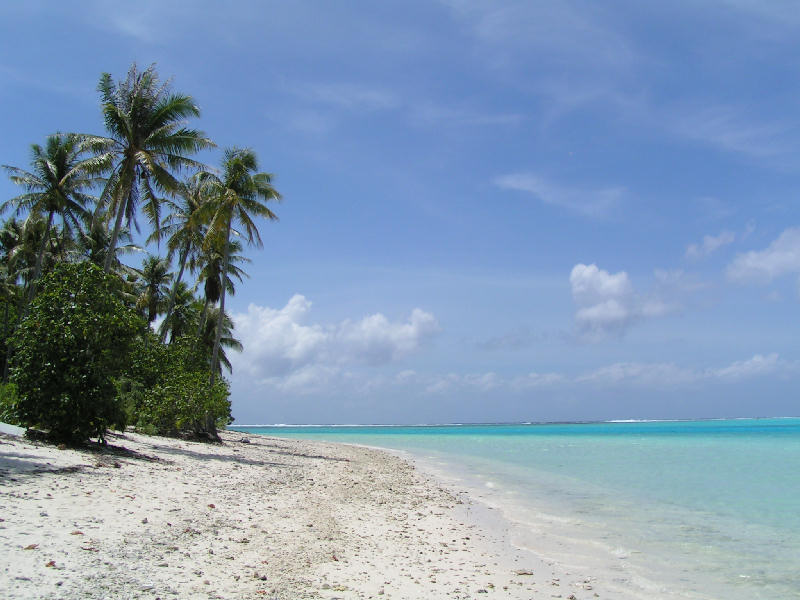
67	351
185	401
79	356
9	398
8	320
166	389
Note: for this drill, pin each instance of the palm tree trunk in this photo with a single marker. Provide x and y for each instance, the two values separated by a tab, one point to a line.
171	305
218	333
211	426
8	346
202	321
112	246
39	259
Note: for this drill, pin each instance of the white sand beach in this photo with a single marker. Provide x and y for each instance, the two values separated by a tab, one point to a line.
256	517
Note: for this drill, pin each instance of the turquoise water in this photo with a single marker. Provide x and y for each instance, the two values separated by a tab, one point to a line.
699	509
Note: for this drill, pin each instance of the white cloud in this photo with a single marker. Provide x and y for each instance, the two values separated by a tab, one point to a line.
307	380
470	381
325	379
376	340
752	367
586	202
732	130
537	380
427	113
349	96
781	257
591	285
607	303
669	374
651	374
556	33
709	245
277	342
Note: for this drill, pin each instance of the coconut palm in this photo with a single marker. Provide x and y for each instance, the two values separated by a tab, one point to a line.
15	253
94	244
239	196
219	336
185	313
184	232
210	274
154	279
147	140
20	241
57	186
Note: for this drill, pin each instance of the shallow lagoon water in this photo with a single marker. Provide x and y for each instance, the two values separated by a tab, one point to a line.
686	509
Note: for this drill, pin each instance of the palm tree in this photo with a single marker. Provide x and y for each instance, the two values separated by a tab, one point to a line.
238	197
155	277
185	313
8	296
20	241
15	249
184	232
94	244
210	274
56	186
147	139
216	336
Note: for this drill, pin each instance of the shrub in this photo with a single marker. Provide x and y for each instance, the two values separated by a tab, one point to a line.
9	398
67	351
184	401
166	389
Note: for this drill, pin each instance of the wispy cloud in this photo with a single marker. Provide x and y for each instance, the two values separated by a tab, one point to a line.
583	201
564	33
648	374
780	258
752	367
732	129
428	112
329	379
348	96
709	245
670	374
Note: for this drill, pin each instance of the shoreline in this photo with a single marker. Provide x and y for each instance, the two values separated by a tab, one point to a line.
265	518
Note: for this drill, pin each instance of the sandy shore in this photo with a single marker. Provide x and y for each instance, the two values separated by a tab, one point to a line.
256	517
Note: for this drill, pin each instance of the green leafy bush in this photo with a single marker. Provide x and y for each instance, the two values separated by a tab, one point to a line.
9	398
67	351
165	389
184	401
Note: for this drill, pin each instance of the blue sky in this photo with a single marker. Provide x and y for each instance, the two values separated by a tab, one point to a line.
493	210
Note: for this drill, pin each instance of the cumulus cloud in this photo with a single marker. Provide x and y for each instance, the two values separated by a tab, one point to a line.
709	245
607	303
278	342
586	202
781	257
604	300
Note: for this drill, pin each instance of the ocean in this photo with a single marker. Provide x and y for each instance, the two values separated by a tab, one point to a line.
667	509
